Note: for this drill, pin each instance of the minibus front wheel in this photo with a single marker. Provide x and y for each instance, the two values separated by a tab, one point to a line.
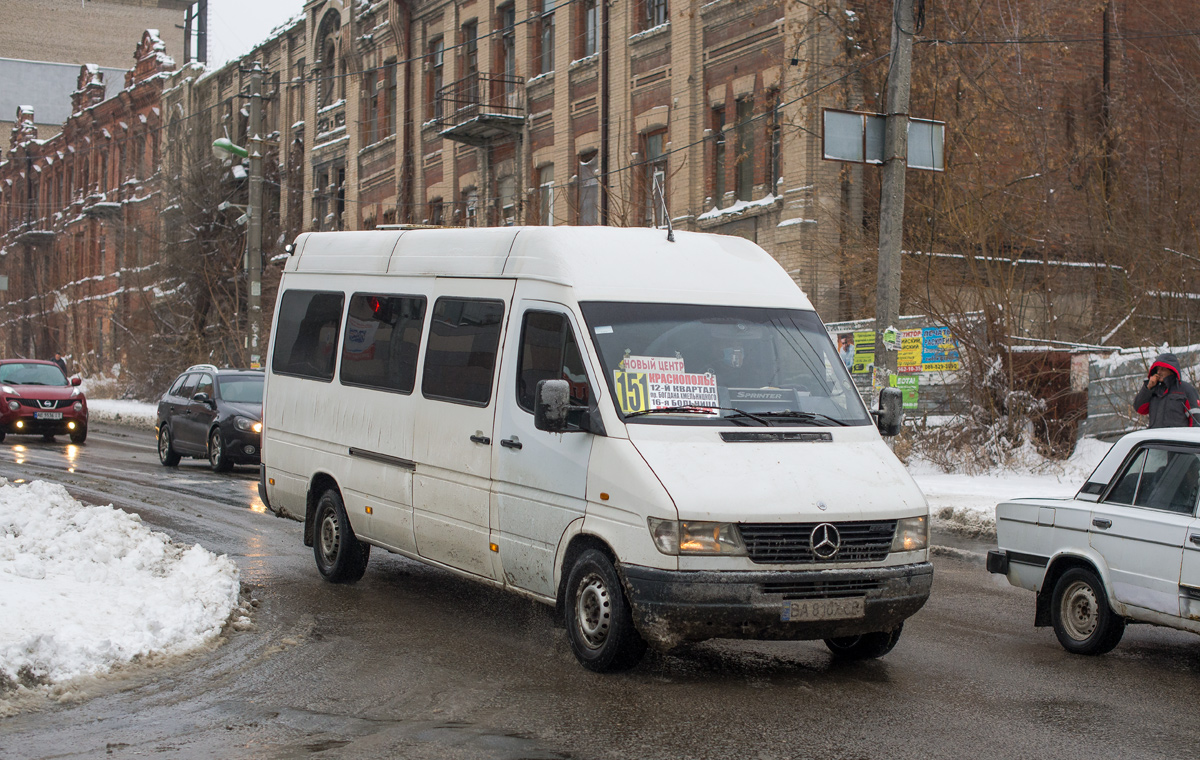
599	623
341	557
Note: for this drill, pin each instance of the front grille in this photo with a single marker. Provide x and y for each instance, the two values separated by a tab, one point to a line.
33	403
775	543
827	589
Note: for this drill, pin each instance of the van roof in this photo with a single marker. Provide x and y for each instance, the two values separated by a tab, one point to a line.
599	263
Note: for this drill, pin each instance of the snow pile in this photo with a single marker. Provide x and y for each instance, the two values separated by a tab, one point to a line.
84	589
966	503
120	411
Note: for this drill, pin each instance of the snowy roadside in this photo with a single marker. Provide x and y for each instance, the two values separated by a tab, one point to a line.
139	414
85	590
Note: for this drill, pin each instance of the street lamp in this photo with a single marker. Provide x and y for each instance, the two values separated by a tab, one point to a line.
221	148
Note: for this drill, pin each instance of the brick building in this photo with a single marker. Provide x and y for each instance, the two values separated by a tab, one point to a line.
44	42
79	218
547	112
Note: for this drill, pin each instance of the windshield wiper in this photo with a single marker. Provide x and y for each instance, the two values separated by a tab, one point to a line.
737	413
798	415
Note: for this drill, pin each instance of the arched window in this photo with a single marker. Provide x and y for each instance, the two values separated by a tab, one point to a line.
328	82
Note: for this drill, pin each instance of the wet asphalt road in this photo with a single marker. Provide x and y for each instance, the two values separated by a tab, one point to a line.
416	663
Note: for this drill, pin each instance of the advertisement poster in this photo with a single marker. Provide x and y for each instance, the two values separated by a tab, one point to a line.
909	358
908	388
864	352
658	382
360	339
939	352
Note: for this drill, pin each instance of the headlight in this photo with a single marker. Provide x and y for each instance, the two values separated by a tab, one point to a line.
9	390
247	424
14	405
694	537
75	392
78	406
257	427
912	533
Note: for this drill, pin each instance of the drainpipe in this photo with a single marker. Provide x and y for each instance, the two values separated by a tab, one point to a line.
604	110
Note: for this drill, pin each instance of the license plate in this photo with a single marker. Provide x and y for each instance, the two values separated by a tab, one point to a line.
823	609
47	415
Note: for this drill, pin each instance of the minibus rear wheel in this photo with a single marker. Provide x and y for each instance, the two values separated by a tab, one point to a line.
341	557
599	622
868	646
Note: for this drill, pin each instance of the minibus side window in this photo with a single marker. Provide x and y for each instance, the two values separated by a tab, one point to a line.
382	339
460	357
307	334
549	352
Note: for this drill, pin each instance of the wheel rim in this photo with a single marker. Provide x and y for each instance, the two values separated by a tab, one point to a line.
214	449
330	538
164	444
1080	611
593	611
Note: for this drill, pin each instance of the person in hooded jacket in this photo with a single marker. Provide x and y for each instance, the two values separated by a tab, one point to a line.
1165	398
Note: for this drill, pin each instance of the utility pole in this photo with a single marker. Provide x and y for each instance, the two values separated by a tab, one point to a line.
891	195
255	212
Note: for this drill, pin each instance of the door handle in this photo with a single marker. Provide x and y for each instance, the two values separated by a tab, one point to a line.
510	443
482	439
1195	538
1102	523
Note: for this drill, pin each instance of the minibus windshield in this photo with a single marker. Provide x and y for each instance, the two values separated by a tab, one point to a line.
723	365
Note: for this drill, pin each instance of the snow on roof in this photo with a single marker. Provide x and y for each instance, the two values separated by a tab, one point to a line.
736	209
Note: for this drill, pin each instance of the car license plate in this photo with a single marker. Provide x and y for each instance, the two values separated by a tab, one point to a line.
47	415
823	609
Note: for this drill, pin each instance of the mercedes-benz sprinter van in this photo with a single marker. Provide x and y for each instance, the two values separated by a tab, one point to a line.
658	437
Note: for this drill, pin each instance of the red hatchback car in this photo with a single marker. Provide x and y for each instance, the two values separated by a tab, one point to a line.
36	398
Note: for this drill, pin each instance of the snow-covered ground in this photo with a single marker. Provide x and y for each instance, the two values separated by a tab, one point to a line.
122	412
84	590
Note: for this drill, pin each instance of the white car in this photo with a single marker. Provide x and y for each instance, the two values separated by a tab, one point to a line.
1125	549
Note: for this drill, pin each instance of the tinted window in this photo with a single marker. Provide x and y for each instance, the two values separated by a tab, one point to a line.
205	385
178	386
32	374
306	337
189	386
549	352
461	354
243	389
383	336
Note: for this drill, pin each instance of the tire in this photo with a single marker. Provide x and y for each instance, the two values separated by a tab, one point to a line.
1079	612
166	450
599	622
867	646
218	454
48	437
79	435
341	557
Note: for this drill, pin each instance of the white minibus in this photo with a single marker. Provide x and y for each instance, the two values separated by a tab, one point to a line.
658	437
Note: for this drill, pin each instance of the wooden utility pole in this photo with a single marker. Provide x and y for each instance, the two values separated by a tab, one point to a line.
891	195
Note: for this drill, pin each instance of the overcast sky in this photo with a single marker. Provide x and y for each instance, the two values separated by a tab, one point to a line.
235	26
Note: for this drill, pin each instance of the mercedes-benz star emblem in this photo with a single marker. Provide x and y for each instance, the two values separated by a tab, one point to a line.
825	541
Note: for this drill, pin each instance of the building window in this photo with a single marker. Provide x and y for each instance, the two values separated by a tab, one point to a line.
589	24
469	67
389	100
379	100
328	82
589	188
470	207
718	166
744	172
434	83
506	199
654	178
298	84
544	40
435	211
507	19
654	13
545	178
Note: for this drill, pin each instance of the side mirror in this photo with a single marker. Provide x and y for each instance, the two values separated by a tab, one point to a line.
891	411
202	398
551	403
76	381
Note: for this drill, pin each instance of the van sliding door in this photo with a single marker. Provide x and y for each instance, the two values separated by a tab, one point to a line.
454	426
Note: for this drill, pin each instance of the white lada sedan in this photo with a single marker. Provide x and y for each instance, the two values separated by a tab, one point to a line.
1125	549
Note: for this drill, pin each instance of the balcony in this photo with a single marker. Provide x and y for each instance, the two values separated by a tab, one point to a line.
481	108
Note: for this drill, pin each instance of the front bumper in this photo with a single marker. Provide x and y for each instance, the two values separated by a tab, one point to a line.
30	425
242	447
671	606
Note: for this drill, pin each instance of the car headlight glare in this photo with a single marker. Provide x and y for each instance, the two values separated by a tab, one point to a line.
912	534
13	405
256	427
247	424
695	537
